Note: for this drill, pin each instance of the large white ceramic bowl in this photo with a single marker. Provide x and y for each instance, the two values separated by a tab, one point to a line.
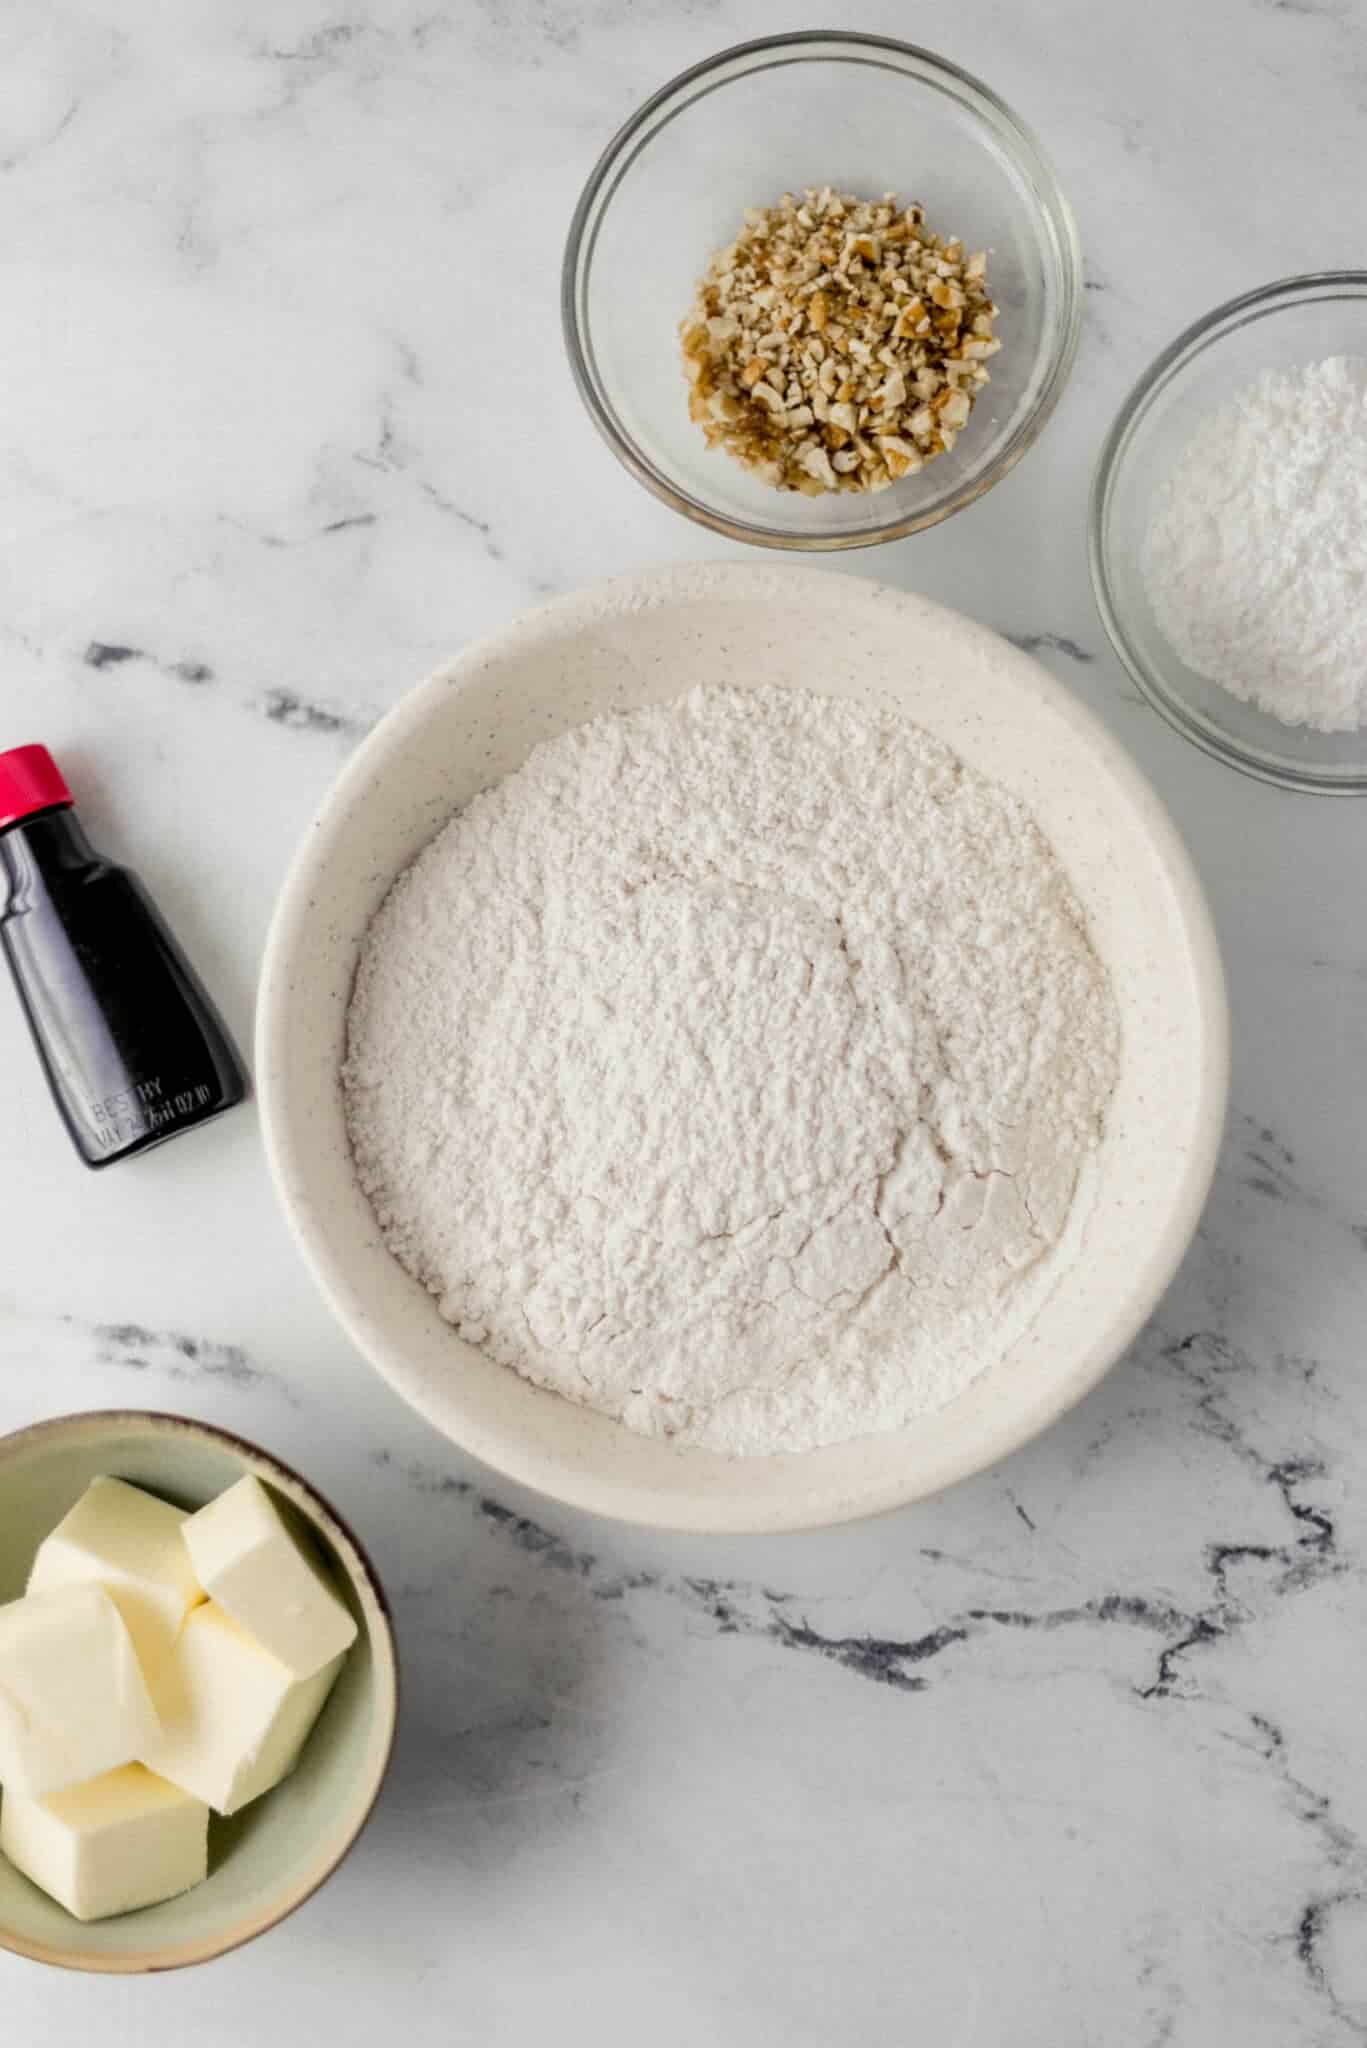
636	641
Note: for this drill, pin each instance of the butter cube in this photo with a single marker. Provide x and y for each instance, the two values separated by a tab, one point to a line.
129	1542
121	1840
234	1718
247	1559
73	1700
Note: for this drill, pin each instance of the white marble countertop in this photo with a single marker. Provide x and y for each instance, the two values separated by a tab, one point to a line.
1073	1755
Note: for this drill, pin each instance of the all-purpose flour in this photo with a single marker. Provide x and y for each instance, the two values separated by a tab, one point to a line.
731	1068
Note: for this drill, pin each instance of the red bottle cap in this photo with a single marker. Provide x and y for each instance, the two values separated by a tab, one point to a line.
30	781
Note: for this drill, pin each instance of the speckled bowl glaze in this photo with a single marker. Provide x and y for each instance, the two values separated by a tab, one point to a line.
269	1858
639	640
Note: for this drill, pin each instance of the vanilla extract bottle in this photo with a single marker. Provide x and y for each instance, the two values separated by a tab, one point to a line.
132	1046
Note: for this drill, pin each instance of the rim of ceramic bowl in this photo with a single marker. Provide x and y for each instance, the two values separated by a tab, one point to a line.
802	46
604	1487
1224	319
98	1422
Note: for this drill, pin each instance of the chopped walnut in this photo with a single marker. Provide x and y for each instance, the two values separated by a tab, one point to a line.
838	344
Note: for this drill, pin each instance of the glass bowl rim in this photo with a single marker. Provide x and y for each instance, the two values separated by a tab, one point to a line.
1050	207
1231	314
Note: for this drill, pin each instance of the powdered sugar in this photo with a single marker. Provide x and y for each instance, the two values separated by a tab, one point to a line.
1255	558
731	1068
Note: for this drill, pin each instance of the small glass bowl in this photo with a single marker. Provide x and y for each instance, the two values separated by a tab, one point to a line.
863	114
1298	321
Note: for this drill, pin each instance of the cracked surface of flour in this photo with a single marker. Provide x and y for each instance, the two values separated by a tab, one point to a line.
733	1067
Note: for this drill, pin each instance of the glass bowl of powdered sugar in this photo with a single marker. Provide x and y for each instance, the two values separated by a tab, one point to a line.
1229	533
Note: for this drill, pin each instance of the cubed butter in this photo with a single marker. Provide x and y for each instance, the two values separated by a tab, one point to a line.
125	1839
247	1559
73	1700
234	1718
129	1542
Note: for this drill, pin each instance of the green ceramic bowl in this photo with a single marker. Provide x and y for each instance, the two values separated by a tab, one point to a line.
269	1858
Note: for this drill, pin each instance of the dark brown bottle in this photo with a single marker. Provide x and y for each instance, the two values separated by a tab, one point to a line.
133	1049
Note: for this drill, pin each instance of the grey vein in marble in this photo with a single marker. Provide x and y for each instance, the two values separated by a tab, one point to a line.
302	714
1053	643
280	706
738	1607
103	654
173	1355
448	506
